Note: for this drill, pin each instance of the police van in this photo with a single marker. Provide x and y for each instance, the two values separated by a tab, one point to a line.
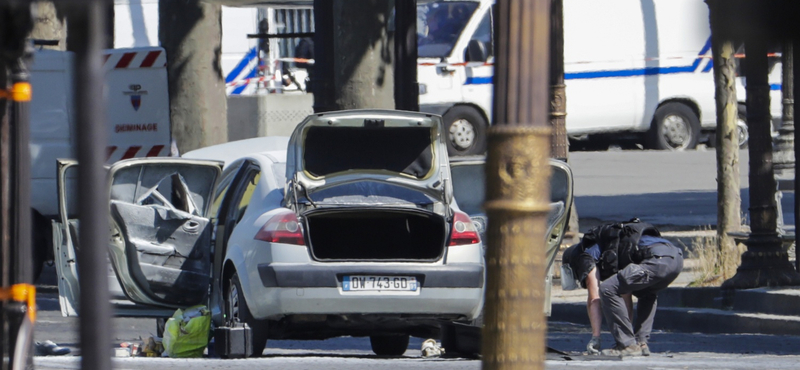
641	69
137	122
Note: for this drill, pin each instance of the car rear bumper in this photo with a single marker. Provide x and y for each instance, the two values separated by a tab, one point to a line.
451	303
294	275
292	289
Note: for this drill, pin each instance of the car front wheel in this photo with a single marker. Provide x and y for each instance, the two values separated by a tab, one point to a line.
236	310
389	345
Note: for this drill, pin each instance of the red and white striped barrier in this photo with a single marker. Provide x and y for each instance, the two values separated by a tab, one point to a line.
248	81
114	153
145	58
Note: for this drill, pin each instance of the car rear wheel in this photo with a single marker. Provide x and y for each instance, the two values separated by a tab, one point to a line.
389	345
675	127
236	310
466	131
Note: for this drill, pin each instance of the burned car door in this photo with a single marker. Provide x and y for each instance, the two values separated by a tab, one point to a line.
160	239
160	242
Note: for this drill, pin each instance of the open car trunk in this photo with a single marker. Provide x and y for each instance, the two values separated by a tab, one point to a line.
375	234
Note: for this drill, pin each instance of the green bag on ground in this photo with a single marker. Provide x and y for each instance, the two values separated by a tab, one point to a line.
186	332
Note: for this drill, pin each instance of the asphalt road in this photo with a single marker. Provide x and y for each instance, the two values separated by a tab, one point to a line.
671	351
674	190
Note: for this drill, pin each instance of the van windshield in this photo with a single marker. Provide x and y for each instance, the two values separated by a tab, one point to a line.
439	23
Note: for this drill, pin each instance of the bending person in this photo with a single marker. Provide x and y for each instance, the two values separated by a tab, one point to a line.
616	261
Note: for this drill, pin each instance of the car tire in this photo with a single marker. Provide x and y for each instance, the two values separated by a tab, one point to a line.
389	345
465	128
675	127
236	309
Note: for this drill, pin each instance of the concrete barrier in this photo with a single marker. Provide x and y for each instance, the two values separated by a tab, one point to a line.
266	115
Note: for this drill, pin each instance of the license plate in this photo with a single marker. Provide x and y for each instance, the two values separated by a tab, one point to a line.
379	283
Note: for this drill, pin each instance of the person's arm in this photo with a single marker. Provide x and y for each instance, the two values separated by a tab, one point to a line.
593	302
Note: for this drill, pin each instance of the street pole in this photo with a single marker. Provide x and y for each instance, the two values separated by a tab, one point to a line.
95	310
727	142
796	92
765	263
518	189
784	144
17	293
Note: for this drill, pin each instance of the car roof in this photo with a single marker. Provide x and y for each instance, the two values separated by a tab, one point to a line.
273	147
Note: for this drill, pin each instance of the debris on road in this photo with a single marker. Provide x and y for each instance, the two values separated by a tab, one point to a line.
431	348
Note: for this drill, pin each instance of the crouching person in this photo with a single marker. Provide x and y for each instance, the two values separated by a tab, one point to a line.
634	260
613	262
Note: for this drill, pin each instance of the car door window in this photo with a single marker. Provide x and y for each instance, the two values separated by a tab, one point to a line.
247	194
239	197
219	193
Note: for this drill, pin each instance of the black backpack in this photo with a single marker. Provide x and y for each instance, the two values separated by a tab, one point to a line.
619	244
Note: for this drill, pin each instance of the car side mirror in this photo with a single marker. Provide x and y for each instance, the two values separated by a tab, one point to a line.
476	51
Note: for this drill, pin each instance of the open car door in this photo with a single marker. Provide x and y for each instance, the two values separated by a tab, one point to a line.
469	194
160	240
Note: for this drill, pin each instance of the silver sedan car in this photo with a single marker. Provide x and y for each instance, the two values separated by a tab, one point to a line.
349	227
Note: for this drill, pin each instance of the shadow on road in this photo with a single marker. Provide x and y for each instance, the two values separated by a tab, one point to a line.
669	211
573	337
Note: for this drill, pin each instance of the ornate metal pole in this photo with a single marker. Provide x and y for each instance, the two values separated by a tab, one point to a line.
784	144
796	88
518	189
765	263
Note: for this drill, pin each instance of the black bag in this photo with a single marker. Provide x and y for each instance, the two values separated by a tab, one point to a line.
235	341
619	244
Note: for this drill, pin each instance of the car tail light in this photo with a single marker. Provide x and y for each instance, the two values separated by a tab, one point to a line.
464	232
282	228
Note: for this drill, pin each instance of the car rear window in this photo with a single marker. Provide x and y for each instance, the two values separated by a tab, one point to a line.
405	150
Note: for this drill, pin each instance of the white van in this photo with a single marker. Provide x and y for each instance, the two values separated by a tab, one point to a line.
137	121
638	68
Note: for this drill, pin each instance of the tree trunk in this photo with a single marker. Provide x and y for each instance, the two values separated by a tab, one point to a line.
49	23
728	189
191	32
356	64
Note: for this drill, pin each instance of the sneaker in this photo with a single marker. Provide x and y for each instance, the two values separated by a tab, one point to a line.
618	350
50	348
645	349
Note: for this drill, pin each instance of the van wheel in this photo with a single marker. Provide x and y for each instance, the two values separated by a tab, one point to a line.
743	132
741	127
675	127
466	131
236	310
389	345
